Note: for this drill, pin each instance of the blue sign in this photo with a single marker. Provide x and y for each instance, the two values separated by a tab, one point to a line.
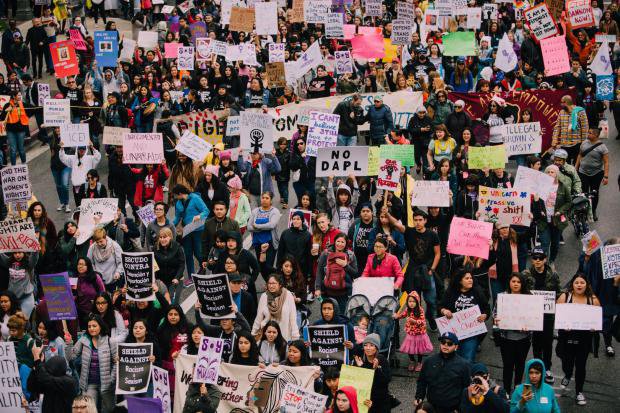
106	48
605	87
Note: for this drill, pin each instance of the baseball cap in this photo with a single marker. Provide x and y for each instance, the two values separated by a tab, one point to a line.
539	253
449	335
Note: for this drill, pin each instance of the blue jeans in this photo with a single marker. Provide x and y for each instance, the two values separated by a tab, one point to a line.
467	348
346	140
16	144
192	244
61	179
283	191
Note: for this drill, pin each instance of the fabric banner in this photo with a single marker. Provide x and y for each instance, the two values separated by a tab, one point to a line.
359	378
64	59
106	48
183	377
469	237
214	295
209	359
133	373
504	205
18	235
544	103
58	296
342	161
139	275
11	389
93	212
16	183
327	344
610	261
161	388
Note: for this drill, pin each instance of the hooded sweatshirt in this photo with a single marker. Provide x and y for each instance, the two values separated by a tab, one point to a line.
342	215
544	400
351	394
51	380
338	318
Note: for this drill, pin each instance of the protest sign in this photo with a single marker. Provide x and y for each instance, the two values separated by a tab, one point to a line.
491	157
370	45
276	52
146	39
401	32
16	183
342	161
106	48
18	235
58	297
64	59
405	11
520	312
373	288
218	47
489	11
75	36
506	58
94	211
463	323
316	11
43	90
203	49
11	389
161	387
522	138
580	13
469	237
256	132
373	8
605	89
443	7
459	44
143	148
373	160
474	17
213	294
309	59
610	261
127	52
197	30
297	15
548	300
555	55
359	378
540	21
388	176
133	373
556	7
185	6
233	125
307	218
171	50
192	226
504	205
601	64
139	275
344	64
183	377
113	135
185	58
266	18
322	131
143	404
167	9
591	242
208	360
296	399
192	146
534	182
430	193
241	19
56	112
334	26
146	214
327	344
605	38
402	153
276	74
74	134
571	316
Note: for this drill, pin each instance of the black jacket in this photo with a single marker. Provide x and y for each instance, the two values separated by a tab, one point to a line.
442	380
51	380
34	36
284	157
248	306
492	403
171	262
456	122
350	117
415	129
298	244
220	193
307	170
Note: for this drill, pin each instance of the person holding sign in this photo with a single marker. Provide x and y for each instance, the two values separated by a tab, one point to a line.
372	359
189	208
143	108
574	345
441	146
383	264
17	121
106	256
21	269
557	220
80	163
49	378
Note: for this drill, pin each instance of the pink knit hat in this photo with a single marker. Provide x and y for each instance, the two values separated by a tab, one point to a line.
235	182
211	169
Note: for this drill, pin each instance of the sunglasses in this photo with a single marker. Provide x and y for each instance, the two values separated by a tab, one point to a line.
300	144
446	342
538	258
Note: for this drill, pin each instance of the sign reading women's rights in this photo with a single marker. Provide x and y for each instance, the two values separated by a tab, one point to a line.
522	138
342	161
327	344
256	132
463	323
74	134
322	131
143	148
540	21
214	295
506	205
16	183
11	385
95	211
431	193
133	374
610	260
520	312
469	237
58	296
161	388
208	360
192	146
139	275
389	174
18	235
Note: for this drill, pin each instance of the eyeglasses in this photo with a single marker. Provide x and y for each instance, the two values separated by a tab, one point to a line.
448	343
101	302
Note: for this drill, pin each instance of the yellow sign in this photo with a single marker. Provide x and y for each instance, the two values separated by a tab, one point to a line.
491	157
359	378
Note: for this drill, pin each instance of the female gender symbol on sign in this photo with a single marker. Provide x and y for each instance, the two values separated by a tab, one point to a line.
256	137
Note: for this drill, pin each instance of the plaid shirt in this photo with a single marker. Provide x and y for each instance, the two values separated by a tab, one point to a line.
562	133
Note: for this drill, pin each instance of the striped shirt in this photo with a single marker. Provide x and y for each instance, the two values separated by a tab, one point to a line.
563	135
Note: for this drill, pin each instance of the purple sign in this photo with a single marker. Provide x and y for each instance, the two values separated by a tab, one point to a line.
57	293
198	30
143	405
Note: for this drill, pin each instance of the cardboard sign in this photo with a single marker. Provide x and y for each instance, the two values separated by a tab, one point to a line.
359	378
241	20
463	323
504	205
214	295
571	316
78	41
334	26
555	55
540	21
534	182
193	147
491	157
64	59
344	64
469	237
56	112
161	387
549	300
402	153
185	58
401	32
430	193
11	389
266	18
94	211
256	132
147	40
610	261
297	15
373	288
133	373
143	148
388	176
580	13
44	92
520	312
106	48
327	344
18	235
139	275
296	399
208	360
113	135
74	134
342	161
591	242
58	296
16	183
322	132
275	74
522	138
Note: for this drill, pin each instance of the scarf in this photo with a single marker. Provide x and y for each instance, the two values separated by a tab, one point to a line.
275	303
233	204
102	254
376	261
574	117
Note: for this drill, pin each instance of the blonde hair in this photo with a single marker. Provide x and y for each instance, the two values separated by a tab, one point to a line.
91	407
17	321
99	233
163	231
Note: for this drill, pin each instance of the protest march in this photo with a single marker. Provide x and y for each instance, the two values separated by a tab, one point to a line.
324	206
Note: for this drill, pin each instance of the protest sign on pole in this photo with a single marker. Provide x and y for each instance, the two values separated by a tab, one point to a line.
143	148
322	131
520	312
64	59
534	182
469	237
334	26
373	288
58	296
161	388
580	13
214	295
555	55
491	157
430	193
276	52
16	183
540	21
296	399
11	390
549	300
106	48
256	132
241	19
522	138
344	64
504	205
342	161
402	153
74	134
43	90
610	260
327	344
147	214
139	275
18	235
463	323
133	373
388	176
208	360
359	378
572	316
193	146
56	112
95	211
113	135
185	58
266	18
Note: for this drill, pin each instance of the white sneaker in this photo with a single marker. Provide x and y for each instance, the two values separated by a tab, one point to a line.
580	399
549	379
60	207
67	208
165	189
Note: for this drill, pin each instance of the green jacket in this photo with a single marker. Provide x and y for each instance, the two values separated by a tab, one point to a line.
568	175
552	279
562	205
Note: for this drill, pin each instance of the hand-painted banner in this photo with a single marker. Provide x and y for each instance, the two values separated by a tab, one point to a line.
143	148
78	41
504	205
469	237
58	296
534	182
93	212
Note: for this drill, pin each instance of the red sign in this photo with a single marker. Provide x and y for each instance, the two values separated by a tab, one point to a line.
64	58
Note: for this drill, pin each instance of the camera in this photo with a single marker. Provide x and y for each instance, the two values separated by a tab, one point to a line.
477	380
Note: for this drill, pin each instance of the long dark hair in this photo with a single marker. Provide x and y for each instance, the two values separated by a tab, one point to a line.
237	358
105	330
167	331
301	346
14	303
51	329
91	274
280	343
297	277
588	292
192	348
455	281
525	289
109	316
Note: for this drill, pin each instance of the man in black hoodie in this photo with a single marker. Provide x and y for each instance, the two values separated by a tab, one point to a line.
50	379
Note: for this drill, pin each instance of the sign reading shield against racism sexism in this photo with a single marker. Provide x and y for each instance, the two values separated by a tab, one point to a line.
327	344
16	183
11	388
322	131
64	59
540	21
342	161
18	235
463	323
469	237
214	295
389	174
58	296
610	260
522	138
143	148
505	205
256	132
208	360
431	193
139	275
133	373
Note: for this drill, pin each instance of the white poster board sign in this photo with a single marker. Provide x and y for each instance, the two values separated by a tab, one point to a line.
342	161
75	134
256	132
534	182
463	323
431	193
373	288
610	260
11	389
520	312
185	59
549	300
522	138
56	112
570	316
16	183
322	131
93	212
193	146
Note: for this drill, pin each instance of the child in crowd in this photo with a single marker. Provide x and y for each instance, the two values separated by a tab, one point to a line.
416	342
361	329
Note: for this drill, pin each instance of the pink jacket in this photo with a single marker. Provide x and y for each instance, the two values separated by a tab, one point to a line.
389	267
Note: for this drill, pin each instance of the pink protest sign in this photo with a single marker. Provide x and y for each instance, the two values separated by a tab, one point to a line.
368	46
349	31
469	237
171	50
77	39
580	13
555	55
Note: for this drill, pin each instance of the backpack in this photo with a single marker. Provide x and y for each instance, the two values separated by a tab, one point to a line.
335	277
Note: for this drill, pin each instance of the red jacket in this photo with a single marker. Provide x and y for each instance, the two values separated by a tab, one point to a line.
158	176
389	267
